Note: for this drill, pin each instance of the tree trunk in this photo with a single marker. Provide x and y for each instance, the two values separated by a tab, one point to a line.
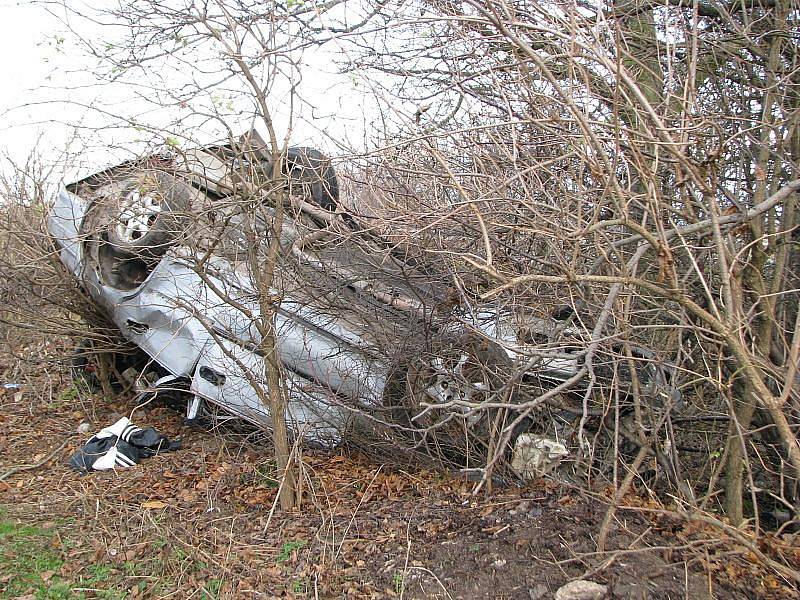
277	407
743	409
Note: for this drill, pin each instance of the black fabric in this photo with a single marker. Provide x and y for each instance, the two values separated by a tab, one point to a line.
120	446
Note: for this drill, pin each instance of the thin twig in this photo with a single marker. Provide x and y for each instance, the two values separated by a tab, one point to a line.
19	468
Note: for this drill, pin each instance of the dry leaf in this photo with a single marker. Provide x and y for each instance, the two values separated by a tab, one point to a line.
154	504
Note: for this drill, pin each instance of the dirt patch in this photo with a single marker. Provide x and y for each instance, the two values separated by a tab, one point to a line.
199	523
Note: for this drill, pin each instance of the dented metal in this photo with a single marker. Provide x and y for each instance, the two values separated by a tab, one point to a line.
187	321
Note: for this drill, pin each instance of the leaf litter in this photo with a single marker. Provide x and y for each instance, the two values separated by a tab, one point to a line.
198	523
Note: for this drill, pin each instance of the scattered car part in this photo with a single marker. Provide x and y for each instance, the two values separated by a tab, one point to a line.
534	455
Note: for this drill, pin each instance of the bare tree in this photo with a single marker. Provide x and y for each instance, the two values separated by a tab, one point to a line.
239	55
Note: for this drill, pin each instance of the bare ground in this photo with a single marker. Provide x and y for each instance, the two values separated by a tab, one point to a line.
198	523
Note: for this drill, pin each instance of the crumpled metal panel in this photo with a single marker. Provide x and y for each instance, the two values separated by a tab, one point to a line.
314	414
160	317
63	223
333	356
170	315
324	351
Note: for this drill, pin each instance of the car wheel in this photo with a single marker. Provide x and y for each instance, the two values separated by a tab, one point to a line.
433	397
148	212
310	174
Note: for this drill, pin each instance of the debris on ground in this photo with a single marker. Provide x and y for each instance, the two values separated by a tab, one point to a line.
581	589
204	526
534	456
121	445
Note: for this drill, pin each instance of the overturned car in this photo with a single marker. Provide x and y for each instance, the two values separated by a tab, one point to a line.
173	248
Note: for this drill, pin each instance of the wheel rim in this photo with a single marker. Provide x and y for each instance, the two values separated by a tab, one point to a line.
138	215
451	385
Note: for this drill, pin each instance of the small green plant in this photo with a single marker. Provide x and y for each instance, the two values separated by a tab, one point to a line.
397	582
97	573
179	553
159	543
212	589
300	586
288	548
266	474
68	396
60	590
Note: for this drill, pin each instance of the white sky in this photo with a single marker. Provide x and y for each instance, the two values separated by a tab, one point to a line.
46	77
27	60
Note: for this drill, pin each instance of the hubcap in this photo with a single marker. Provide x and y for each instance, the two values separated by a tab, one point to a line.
451	385
138	215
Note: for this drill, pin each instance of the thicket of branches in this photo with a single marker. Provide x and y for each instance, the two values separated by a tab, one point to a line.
637	161
632	160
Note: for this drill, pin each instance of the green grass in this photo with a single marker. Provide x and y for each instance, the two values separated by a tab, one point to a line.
397	582
212	589
30	565
37	562
68	396
26	555
300	586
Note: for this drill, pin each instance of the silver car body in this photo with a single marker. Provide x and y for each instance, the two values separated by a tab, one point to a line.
333	366
188	329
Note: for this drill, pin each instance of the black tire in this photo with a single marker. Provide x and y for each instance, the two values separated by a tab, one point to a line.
309	167
174	198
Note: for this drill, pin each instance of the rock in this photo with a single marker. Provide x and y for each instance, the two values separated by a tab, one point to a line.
580	589
538	592
84	428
